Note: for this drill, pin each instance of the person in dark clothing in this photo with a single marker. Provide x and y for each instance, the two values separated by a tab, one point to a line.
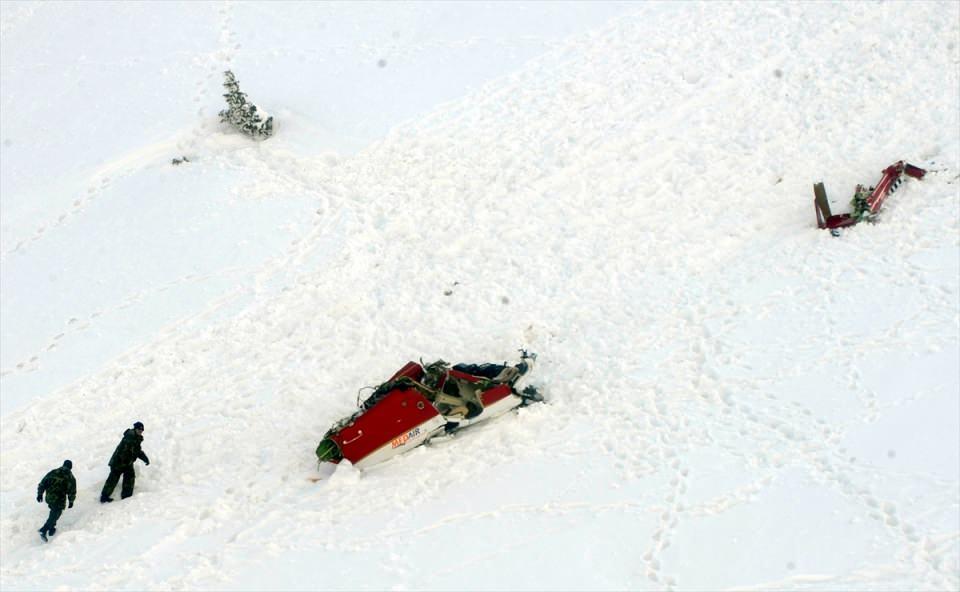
60	487
121	464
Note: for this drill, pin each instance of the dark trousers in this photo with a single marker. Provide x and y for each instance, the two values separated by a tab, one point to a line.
51	524
129	477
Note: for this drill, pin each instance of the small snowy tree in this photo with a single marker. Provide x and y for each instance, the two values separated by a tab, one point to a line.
243	114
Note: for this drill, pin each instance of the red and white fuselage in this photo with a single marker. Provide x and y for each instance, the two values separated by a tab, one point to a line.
408	413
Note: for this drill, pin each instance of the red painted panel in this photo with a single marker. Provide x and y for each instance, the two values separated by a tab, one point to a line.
411	370
397	413
839	221
890	174
464	376
489	397
914	171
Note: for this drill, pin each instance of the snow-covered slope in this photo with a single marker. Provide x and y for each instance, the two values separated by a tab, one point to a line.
735	398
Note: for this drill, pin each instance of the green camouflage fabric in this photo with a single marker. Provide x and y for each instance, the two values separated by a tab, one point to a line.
59	485
128	450
129	479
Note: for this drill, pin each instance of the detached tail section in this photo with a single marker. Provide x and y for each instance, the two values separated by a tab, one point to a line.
866	202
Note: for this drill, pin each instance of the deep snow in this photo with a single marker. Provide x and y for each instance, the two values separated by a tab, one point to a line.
735	398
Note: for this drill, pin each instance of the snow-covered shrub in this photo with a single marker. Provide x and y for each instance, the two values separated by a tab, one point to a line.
243	114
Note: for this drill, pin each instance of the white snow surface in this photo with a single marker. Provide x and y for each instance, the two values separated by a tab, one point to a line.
735	399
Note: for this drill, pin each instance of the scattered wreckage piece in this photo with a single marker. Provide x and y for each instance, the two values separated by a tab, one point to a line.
420	402
866	202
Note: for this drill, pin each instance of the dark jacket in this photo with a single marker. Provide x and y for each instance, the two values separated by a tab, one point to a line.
128	450
59	485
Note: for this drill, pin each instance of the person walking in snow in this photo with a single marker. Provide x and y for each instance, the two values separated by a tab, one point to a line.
60	487
121	463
